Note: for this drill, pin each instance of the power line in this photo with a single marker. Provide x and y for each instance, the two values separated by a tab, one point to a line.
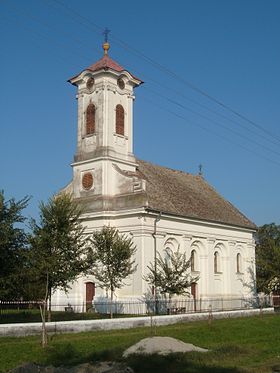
40	36
211	131
214	122
243	126
28	15
203	116
171	73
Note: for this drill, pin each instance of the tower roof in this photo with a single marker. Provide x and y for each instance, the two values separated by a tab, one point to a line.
105	63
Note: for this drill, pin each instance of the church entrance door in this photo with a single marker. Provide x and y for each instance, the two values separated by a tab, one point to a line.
90	293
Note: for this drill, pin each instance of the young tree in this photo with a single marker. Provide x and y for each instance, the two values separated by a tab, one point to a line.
58	246
267	255
111	259
13	244
171	275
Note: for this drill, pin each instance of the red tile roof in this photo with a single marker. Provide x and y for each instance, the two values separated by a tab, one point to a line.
105	63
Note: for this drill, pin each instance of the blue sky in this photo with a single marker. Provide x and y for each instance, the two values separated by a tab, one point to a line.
229	50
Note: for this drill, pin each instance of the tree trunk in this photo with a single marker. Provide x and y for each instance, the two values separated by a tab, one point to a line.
111	306
43	314
44	330
50	306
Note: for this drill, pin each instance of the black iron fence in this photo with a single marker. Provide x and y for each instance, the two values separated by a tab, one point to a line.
19	311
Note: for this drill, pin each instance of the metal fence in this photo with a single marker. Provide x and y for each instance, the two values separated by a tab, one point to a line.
19	311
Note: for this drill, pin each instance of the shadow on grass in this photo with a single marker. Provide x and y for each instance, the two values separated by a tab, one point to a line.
175	363
67	355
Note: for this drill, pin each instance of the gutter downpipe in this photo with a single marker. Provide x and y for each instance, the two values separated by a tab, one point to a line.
157	219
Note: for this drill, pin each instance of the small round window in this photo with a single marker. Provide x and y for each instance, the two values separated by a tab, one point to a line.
90	83
121	83
87	181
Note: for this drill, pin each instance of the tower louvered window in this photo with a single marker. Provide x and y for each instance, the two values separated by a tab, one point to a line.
119	120
90	119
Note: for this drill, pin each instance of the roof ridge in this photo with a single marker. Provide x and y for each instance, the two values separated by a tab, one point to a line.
169	168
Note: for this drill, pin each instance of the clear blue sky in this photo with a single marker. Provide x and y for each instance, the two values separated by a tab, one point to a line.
228	49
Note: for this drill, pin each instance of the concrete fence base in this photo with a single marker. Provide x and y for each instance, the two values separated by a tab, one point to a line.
25	329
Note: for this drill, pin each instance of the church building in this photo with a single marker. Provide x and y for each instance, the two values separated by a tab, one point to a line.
160	208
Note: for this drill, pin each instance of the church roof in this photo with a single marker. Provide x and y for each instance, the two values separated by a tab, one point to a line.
188	195
106	63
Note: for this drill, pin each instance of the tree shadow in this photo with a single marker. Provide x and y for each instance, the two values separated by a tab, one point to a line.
257	300
68	355
175	363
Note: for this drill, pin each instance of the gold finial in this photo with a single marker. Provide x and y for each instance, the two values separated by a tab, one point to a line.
106	45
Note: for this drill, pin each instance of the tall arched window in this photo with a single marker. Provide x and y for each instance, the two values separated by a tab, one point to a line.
193	261
119	120
216	262
168	254
238	263
90	119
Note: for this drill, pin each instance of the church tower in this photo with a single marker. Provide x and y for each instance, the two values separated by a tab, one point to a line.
105	94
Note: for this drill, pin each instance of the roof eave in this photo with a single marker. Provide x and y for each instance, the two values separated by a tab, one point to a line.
252	228
77	77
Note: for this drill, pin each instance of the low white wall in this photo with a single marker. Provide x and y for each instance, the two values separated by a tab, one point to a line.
25	329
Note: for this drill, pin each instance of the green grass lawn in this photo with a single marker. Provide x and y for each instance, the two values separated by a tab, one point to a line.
22	316
237	345
25	316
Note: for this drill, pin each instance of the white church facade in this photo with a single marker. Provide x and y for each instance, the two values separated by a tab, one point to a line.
160	208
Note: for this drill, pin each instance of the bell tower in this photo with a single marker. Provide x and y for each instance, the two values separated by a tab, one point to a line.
105	94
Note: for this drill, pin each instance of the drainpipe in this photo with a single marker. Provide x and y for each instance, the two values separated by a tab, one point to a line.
157	219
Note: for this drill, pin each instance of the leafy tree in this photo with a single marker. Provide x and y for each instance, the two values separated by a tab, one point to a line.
171	275
111	259
13	244
267	255
58	246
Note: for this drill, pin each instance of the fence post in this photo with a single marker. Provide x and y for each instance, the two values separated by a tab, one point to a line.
210	315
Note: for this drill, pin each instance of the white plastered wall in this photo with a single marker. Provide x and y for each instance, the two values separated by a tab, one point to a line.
188	234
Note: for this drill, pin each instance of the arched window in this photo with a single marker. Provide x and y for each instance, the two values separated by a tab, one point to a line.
119	120
193	260
238	263
168	254
90	119
216	262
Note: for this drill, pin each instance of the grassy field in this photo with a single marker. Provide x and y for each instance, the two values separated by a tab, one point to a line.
237	345
26	316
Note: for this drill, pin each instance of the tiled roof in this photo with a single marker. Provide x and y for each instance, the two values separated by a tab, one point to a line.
188	195
105	63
